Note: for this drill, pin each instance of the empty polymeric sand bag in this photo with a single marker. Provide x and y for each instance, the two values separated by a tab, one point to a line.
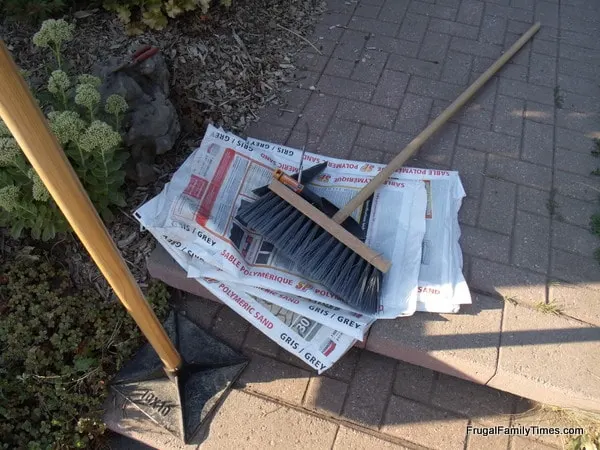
441	285
320	346
197	210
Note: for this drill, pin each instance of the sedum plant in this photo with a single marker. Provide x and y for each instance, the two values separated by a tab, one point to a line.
61	345
86	126
154	14
53	34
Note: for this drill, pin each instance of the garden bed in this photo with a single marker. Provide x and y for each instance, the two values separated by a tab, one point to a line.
224	68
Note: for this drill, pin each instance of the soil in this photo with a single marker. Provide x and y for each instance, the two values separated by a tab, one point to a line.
224	68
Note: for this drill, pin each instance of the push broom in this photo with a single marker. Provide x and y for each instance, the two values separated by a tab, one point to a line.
320	248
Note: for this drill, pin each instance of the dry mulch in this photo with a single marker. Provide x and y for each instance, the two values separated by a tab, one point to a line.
224	70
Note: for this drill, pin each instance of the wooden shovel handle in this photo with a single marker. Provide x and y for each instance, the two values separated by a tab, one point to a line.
20	112
417	142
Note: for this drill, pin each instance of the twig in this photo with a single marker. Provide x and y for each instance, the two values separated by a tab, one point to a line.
242	100
301	37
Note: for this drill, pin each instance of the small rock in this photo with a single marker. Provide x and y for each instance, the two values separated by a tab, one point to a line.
152	124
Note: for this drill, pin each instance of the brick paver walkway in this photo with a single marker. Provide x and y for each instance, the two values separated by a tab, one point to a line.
366	401
522	147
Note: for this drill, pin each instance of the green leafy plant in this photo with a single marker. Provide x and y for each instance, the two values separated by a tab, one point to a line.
585	442
33	11
137	15
59	348
596	151
595	229
75	112
558	97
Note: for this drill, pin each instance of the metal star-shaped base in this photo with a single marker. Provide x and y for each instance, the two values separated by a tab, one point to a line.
181	403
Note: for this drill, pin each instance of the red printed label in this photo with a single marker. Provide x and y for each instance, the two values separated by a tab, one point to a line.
196	187
213	188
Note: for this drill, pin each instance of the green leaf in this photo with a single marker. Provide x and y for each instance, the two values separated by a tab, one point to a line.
49	232
36	231
118	177
154	18
117	198
135	28
91	183
114	165
39	220
81	172
84	364
98	172
17	229
107	214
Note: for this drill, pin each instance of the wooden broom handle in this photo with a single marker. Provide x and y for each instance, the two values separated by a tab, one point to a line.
417	142
20	112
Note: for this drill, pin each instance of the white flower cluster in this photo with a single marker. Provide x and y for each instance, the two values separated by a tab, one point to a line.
8	151
87	95
53	33
39	191
115	104
67	126
58	82
9	196
86	78
99	137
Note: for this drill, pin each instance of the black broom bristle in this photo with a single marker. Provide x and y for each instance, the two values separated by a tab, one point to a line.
316	254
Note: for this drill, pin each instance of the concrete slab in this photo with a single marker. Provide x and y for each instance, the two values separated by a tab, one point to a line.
548	358
508	282
577	302
463	345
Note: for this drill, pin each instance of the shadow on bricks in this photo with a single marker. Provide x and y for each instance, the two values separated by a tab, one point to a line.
367	389
525	222
481	344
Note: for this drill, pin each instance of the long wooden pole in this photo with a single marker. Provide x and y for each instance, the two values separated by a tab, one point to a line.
417	142
20	112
